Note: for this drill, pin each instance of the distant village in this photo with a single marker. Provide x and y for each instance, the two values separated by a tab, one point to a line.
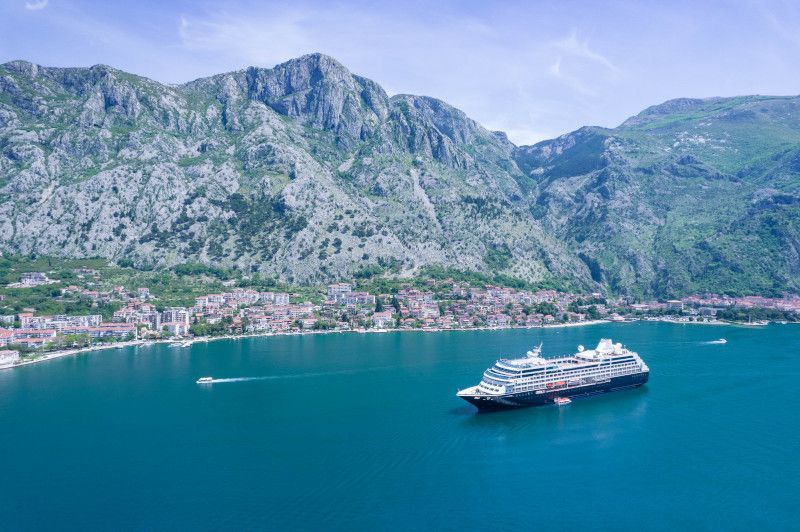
440	304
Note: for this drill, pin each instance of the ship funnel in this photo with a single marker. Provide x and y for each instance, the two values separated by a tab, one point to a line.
580	349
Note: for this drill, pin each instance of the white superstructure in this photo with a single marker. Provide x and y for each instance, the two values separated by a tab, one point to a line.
587	367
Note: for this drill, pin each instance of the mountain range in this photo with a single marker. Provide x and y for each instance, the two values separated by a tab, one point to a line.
309	173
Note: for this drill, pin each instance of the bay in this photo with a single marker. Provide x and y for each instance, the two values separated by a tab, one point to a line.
364	432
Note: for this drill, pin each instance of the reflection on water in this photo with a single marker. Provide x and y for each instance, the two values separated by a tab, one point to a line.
620	403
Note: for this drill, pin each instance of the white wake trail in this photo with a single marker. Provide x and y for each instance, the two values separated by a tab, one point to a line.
721	341
301	375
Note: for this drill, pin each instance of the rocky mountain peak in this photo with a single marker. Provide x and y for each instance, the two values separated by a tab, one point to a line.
309	173
676	105
320	92
23	67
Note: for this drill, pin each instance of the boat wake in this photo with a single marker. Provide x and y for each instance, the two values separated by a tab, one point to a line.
300	375
716	342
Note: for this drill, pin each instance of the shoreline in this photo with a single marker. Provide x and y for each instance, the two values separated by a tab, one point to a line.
205	339
52	355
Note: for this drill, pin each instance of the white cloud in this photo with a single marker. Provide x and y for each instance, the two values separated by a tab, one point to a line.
573	82
580	68
36	5
576	47
555	68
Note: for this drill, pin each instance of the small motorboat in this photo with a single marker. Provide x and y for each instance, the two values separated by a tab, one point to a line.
205	380
562	401
720	341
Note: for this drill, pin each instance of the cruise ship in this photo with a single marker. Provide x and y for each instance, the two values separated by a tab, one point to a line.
535	380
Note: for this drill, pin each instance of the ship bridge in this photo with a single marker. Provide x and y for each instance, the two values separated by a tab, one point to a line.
605	349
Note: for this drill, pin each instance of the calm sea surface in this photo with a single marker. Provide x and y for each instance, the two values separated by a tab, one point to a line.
364	432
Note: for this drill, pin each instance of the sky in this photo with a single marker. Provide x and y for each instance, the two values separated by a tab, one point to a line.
533	69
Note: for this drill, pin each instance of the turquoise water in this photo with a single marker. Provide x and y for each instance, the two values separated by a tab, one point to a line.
362	432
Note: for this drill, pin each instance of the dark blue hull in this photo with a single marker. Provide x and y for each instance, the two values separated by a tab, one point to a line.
520	400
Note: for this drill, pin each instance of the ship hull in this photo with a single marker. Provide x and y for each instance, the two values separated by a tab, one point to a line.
546	397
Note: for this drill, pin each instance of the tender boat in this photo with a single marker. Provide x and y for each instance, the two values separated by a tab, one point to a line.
205	380
720	341
562	401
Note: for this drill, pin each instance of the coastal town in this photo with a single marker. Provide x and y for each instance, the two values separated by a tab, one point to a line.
430	305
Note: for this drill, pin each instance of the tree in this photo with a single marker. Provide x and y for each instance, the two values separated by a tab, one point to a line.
378	305
22	349
547	308
198	329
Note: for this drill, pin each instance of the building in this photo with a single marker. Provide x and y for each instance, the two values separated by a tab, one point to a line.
25	319
175	315
33	338
6	337
58	322
151	319
33	279
300	311
382	319
176	328
119	331
242	296
22	334
357	298
266	297
336	291
281	299
143	314
674	304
